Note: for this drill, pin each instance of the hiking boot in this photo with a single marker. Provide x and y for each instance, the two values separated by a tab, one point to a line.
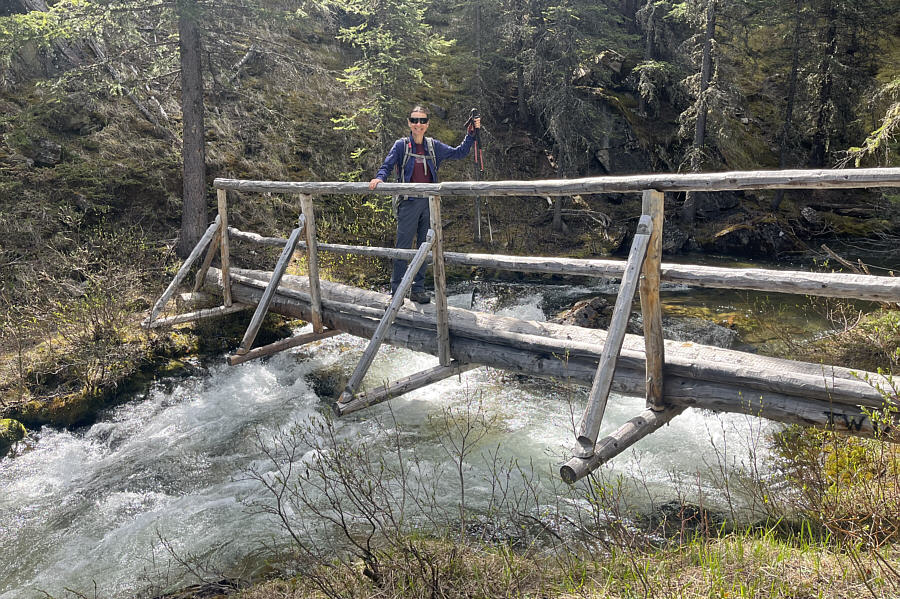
420	297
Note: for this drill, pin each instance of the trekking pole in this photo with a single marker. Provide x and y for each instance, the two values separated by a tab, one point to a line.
479	170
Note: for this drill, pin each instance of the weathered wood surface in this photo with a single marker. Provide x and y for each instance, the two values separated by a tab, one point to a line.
440	281
198	315
750	372
618	441
222	198
678	390
277	273
724	181
586	433
387	320
651	309
852	286
312	256
182	272
281	345
192	299
402	386
814	404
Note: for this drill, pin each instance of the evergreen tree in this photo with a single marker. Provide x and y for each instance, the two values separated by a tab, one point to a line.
845	44
880	146
567	36
138	48
395	45
700	51
788	134
517	28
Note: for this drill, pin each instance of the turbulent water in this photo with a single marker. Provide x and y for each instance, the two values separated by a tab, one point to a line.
165	475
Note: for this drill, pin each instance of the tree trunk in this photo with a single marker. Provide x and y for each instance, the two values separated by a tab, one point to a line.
689	209
557	214
194	216
522	96
705	74
789	101
820	137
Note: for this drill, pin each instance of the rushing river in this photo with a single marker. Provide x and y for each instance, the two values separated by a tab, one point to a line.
165	474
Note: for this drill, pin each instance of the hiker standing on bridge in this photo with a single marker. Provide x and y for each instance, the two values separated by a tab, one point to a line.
417	159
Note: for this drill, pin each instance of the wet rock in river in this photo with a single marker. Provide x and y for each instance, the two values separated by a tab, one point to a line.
593	313
329	381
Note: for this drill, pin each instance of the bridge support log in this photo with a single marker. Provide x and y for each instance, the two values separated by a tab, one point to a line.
440	281
312	255
402	386
222	198
279	346
387	320
589	427
263	306
207	260
612	445
201	314
743	384
651	309
750	372
182	272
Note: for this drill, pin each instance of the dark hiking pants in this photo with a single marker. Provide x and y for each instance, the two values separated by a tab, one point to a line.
413	222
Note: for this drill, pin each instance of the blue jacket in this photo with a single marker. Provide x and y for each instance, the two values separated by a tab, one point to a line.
442	152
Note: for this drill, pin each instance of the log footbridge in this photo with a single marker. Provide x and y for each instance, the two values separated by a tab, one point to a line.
671	375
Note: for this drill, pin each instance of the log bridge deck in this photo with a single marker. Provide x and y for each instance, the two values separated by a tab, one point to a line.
671	375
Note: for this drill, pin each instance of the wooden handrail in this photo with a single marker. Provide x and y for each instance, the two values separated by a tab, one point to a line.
725	181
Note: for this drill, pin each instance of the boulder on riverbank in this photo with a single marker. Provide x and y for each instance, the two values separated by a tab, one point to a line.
11	432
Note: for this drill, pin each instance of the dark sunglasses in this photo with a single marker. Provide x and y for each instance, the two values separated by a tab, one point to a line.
418	119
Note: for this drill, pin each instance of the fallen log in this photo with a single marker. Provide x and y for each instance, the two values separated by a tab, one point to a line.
810	402
691	360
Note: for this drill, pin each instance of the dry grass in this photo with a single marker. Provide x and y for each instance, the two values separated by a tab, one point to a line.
747	565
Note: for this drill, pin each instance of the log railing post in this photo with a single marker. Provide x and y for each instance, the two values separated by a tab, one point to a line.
651	309
222	197
315	293
589	427
440	282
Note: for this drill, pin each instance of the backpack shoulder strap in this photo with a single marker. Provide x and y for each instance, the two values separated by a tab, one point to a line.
401	166
429	144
